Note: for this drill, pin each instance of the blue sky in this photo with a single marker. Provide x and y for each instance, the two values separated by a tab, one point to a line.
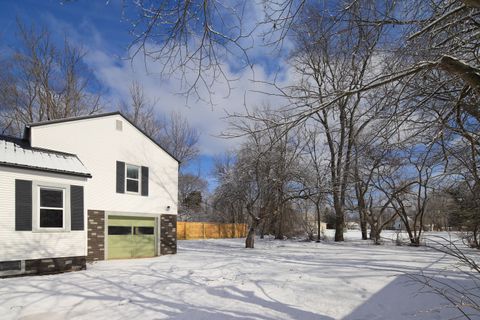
98	27
84	16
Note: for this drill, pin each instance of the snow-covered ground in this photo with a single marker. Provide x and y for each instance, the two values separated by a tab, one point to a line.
219	279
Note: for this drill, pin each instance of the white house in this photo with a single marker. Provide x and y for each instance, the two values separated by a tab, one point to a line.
84	189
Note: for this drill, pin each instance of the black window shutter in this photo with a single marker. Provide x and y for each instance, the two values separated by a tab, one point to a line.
76	207
144	181
23	205
120	177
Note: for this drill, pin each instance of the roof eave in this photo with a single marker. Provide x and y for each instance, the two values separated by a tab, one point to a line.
27	167
38	124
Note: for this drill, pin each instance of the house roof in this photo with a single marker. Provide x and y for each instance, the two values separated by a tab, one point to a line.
100	115
18	153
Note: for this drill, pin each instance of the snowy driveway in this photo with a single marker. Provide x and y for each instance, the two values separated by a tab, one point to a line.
219	279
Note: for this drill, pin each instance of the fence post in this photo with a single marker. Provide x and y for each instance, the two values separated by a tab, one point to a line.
203	225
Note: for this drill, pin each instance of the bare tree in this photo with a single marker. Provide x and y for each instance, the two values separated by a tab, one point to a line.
190	38
409	189
464	209
267	176
367	161
179	137
228	202
42	81
327	67
141	111
195	40
172	131
421	37
316	170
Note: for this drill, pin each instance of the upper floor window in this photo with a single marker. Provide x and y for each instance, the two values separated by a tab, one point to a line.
132	178
51	208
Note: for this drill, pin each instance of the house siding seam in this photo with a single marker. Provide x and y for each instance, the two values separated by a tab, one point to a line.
96	235
168	234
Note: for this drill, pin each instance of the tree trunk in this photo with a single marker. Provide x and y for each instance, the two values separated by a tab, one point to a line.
319	224
475	237
363	225
339	224
250	241
411	236
279	228
374	233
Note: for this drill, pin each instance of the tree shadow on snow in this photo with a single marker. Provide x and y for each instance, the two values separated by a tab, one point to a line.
406	297
107	292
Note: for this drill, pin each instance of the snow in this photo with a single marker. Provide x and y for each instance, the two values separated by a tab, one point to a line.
219	279
19	153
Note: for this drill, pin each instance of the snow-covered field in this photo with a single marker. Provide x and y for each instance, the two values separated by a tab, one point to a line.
219	279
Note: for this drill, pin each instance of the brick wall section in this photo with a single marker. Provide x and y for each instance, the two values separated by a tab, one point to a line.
55	265
42	266
168	234
96	235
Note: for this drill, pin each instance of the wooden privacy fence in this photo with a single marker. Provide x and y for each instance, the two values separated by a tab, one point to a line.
206	230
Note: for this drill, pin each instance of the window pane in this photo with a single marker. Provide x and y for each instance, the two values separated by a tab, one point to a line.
51	198
51	218
114	230
144	230
132	185
132	172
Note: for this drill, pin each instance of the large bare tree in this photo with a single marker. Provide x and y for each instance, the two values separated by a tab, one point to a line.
266	176
325	67
44	81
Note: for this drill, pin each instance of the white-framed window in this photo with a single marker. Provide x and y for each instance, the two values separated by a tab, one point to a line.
132	179
51	208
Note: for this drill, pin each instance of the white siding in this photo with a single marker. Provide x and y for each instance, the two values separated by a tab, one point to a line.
21	245
98	144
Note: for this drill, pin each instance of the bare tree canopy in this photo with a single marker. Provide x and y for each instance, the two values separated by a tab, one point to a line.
172	131
141	111
199	36
43	81
179	137
198	41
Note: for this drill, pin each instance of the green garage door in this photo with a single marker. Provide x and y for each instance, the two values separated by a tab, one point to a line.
131	237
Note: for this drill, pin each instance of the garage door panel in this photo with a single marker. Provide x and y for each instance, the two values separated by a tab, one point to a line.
131	237
120	247
144	246
131	221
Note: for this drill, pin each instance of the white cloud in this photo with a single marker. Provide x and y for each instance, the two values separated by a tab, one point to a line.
117	75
